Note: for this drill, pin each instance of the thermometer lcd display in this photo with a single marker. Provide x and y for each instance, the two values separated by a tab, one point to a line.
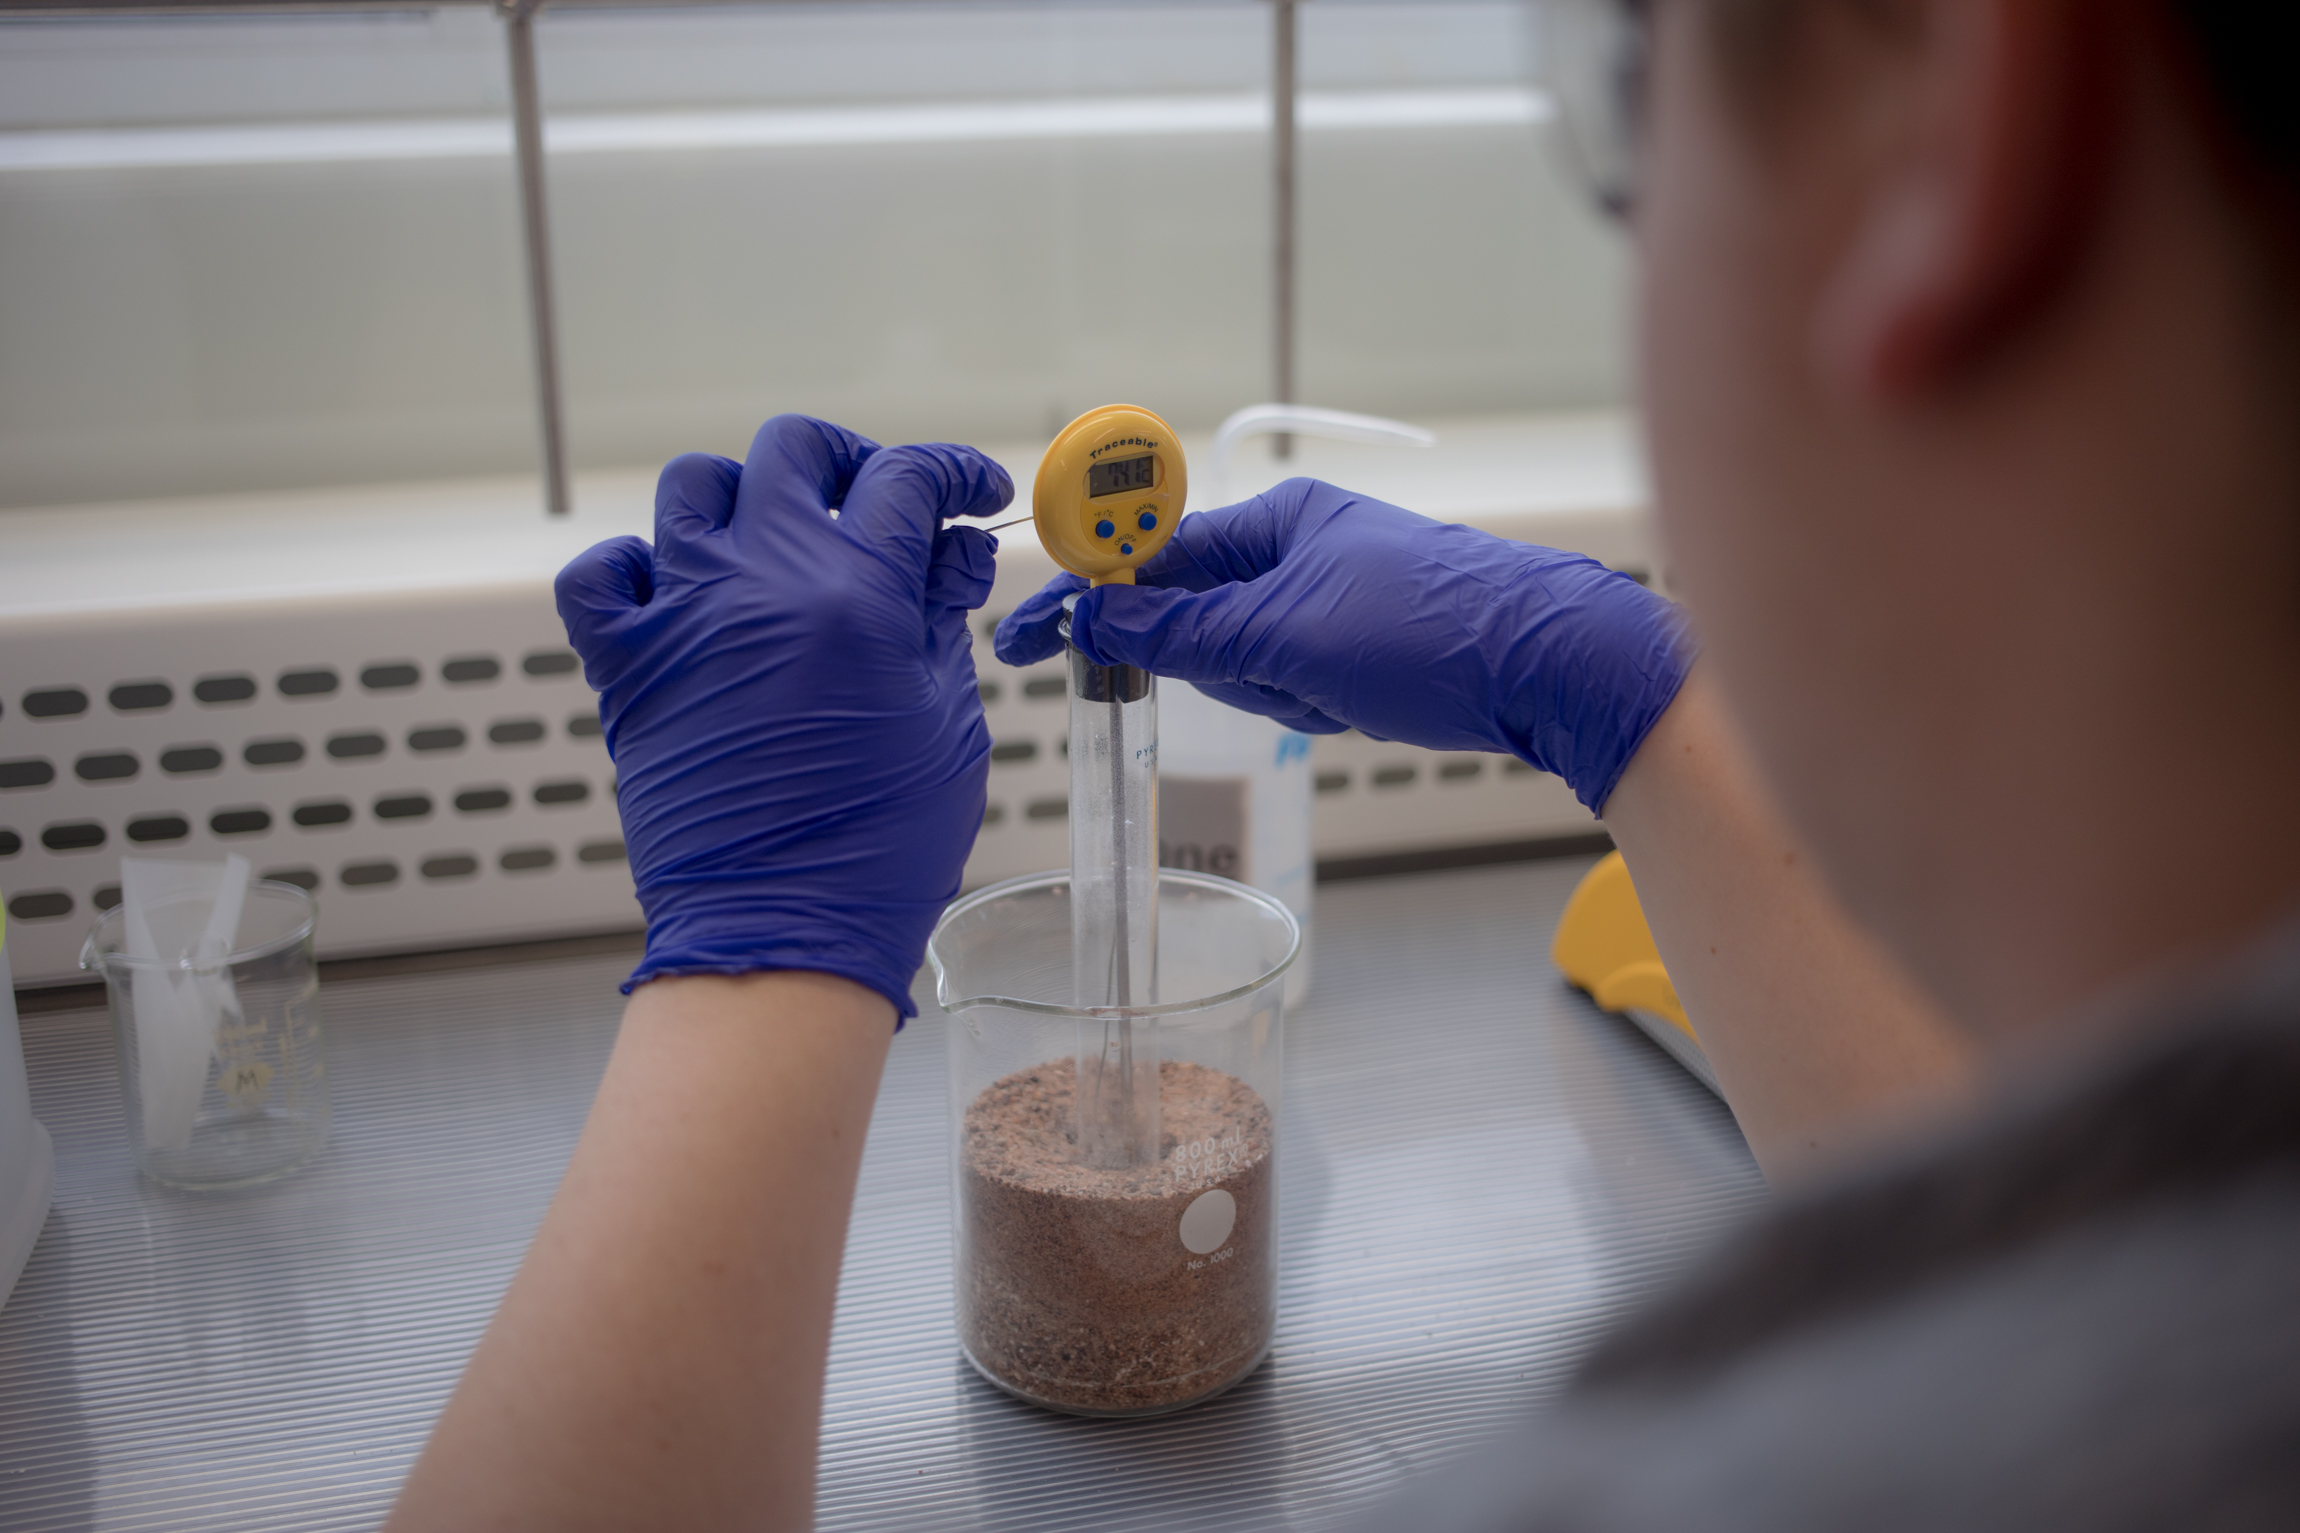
1121	476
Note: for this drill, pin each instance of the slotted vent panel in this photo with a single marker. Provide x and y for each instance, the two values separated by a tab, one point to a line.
431	766
334	750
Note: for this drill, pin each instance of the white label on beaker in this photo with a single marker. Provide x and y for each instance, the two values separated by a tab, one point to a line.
1207	1222
246	1083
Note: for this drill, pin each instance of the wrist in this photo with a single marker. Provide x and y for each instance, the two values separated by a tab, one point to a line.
762	993
1591	701
750	929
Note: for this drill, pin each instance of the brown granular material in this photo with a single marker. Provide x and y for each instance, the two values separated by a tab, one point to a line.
1075	1289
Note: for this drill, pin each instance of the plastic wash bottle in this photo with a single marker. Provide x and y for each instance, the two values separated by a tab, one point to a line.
1234	794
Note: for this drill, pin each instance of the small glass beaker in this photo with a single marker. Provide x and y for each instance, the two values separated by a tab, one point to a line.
1097	1288
222	1073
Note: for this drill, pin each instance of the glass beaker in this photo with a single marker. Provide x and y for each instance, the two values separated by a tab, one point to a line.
1097	1289
221	1070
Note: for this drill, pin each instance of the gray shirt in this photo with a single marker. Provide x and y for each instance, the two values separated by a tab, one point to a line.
2082	1311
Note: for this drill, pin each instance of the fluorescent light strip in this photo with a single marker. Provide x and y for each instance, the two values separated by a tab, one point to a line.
654	132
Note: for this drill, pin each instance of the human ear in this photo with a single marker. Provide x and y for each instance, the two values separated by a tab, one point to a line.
1979	197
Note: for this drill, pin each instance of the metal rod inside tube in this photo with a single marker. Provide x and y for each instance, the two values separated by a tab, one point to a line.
1122	970
1114	909
1122	975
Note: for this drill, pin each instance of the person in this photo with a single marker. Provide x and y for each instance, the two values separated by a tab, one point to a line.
1968	348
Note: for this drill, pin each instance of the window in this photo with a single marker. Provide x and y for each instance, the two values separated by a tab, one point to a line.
323	287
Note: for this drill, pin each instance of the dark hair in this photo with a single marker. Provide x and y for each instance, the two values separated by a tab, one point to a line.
2248	50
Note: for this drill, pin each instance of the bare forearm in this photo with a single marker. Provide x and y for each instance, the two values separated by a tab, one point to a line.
658	1361
1817	1036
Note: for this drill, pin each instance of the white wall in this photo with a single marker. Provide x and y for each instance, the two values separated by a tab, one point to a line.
193	328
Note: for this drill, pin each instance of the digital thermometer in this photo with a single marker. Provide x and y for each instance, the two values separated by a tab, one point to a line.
1109	492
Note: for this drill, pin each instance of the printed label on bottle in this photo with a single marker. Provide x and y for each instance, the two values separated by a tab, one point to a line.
1202	825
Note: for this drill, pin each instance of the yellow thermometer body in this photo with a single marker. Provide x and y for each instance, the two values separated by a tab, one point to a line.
1109	492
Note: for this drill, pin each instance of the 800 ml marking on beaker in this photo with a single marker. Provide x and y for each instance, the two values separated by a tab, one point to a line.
1209	1159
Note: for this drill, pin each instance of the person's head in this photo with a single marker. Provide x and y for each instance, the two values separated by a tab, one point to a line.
1971	363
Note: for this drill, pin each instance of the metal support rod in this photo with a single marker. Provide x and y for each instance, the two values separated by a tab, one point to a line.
1282	124
527	134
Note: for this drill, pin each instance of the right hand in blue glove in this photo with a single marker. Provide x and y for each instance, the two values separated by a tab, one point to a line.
1328	610
788	692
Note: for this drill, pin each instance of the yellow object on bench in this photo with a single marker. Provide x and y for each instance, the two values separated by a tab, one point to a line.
1603	946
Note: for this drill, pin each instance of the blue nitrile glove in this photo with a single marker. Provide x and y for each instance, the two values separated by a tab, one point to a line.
790	700
1331	611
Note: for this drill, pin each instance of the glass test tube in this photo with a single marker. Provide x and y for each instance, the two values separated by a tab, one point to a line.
1114	906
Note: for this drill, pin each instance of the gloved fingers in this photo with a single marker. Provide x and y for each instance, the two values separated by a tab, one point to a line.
1031	632
958	580
597	593
694	495
1209	549
949	646
1193	636
901	496
798	470
960	569
1270	703
1231	543
1210	639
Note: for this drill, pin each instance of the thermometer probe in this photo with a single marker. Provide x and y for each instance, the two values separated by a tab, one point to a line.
1108	494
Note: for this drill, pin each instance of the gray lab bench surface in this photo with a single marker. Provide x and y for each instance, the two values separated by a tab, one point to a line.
1478	1170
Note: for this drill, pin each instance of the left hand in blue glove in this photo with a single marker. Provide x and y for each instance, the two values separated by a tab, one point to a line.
788	692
